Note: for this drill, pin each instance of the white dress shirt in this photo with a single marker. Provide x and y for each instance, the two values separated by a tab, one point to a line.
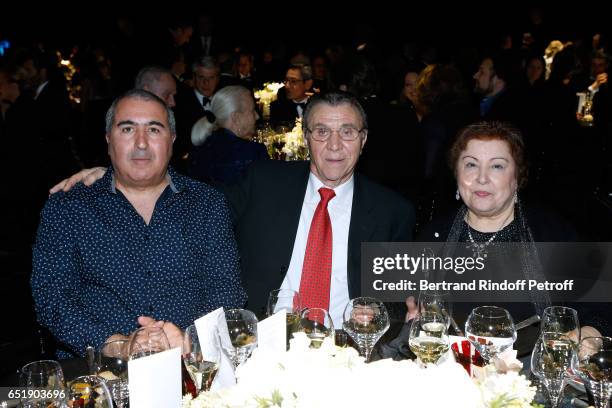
339	209
201	99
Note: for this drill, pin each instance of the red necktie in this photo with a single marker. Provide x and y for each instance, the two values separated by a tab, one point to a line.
316	272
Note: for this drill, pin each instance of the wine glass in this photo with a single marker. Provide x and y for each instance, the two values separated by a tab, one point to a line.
365	320
550	360
562	320
201	365
147	341
491	330
592	361
436	301
428	337
242	329
89	391
111	364
45	375
317	324
288	300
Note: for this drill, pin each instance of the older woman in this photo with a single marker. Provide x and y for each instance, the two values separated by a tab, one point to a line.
222	138
488	161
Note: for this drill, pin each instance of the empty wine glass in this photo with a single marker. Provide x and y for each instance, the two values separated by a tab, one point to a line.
491	330
365	320
46	375
592	361
242	329
317	324
201	359
288	300
560	319
436	301
89	391
428	337
147	341
111	364
550	360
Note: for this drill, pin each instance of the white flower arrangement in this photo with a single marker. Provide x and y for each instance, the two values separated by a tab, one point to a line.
334	376
287	146
267	95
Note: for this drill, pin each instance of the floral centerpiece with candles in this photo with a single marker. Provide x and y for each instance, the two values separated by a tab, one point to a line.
285	145
334	376
266	96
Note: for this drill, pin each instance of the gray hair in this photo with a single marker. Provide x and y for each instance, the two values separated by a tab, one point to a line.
333	99
305	71
225	102
207	62
148	76
142	95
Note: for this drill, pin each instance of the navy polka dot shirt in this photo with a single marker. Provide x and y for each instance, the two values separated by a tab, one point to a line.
97	265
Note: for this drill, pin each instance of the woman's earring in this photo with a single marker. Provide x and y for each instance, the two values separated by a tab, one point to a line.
515	197
457	196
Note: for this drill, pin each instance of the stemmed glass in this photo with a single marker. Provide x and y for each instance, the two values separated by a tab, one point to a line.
317	324
288	300
111	364
436	301
147	341
560	319
428	337
47	375
365	320
592	361
550	360
491	330
89	391
241	325
201	366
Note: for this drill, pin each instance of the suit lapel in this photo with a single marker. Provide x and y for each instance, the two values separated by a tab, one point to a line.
362	228
288	210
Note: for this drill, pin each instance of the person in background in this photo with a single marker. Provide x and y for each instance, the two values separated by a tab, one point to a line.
224	149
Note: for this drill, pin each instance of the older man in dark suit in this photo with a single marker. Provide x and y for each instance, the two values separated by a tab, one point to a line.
287	213
298	82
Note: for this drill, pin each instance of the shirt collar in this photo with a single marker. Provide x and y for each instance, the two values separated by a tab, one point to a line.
176	182
344	192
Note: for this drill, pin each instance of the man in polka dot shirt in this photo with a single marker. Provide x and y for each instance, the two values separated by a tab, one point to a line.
143	246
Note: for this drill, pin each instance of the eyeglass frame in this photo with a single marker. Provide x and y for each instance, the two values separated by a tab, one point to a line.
359	132
293	81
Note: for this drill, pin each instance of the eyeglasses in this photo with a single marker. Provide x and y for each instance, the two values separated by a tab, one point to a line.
346	133
292	81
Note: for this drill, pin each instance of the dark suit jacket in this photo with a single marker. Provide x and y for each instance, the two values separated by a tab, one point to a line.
283	112
266	207
188	111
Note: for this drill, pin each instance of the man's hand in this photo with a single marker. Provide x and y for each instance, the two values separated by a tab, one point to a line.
599	80
172	332
87	176
115	337
413	309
